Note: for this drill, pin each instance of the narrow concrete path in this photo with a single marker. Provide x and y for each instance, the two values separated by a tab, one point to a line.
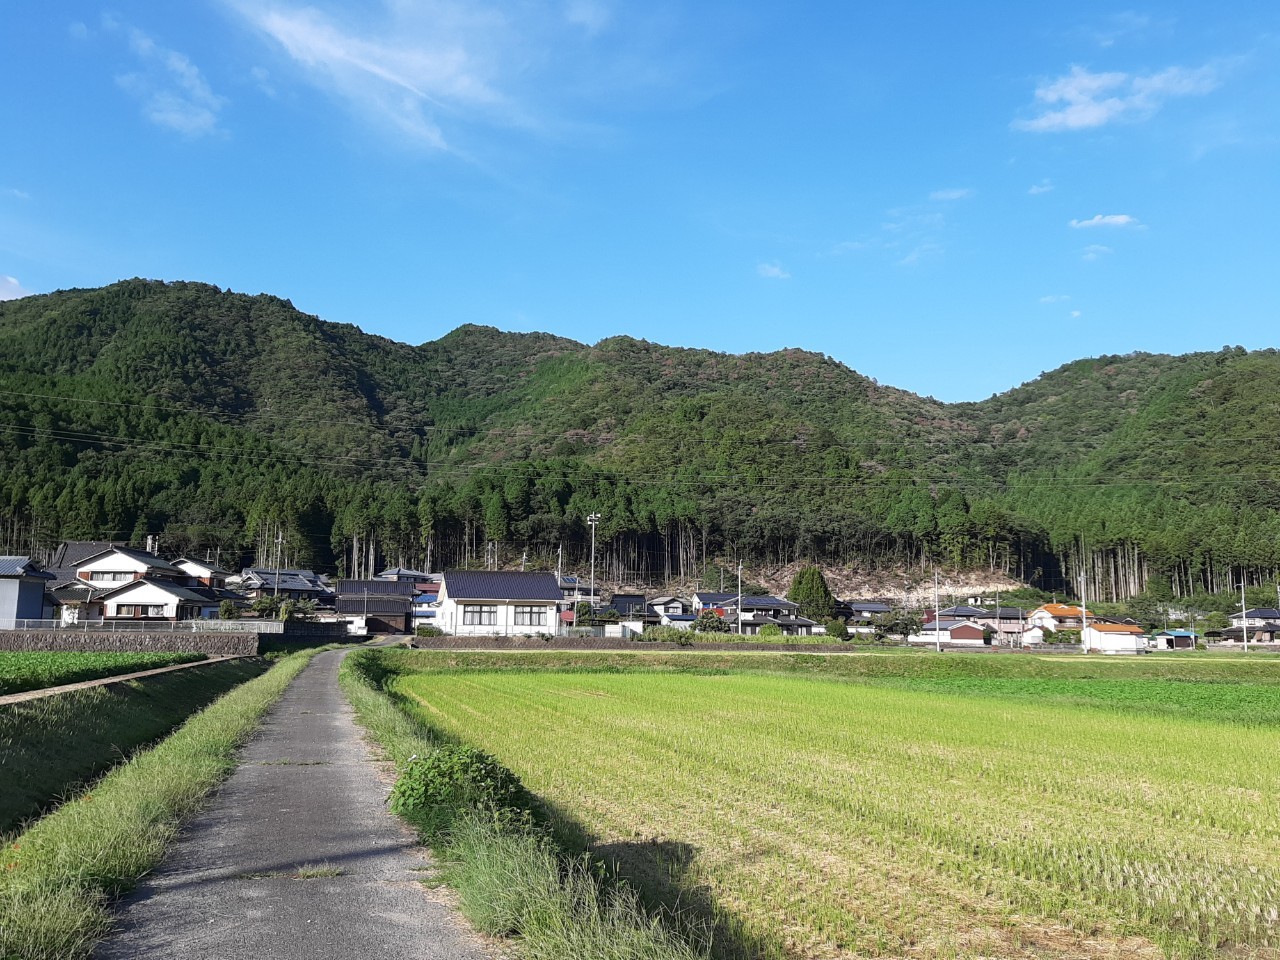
307	793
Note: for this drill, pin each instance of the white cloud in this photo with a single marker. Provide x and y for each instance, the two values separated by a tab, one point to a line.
11	289
922	251
592	16
1082	99
15	193
1055	298
772	271
171	89
1044	186
1094	251
1075	314
78	30
955	193
1108	220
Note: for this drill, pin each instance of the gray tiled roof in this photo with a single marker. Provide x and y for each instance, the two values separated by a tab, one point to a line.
22	567
501	585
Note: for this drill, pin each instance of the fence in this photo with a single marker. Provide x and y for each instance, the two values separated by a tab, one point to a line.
148	626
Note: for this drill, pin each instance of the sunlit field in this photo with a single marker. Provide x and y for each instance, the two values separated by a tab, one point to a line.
902	817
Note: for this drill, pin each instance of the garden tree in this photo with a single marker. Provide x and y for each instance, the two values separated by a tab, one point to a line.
895	625
837	628
1215	620
227	610
709	622
809	590
266	606
770	630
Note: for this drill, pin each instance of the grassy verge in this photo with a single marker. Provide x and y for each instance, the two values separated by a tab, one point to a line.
36	670
53	745
510	878
56	878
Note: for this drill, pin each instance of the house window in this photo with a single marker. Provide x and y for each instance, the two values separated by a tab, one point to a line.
479	615
140	610
531	616
109	576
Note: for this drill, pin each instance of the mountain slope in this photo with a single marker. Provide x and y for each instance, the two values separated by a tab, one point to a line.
219	420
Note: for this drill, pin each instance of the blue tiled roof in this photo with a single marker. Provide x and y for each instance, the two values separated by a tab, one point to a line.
500	585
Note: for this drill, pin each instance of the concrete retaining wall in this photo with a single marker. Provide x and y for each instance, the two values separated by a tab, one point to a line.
82	641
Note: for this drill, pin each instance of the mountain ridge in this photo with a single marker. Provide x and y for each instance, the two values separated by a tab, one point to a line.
1106	467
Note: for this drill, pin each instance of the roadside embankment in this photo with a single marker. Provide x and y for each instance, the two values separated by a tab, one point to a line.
54	745
57	877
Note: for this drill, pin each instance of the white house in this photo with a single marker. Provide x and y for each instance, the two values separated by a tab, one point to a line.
123	564
498	603
209	574
1055	617
1113	638
967	633
158	600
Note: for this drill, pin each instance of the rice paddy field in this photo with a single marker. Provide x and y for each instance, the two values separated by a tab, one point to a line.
902	806
35	670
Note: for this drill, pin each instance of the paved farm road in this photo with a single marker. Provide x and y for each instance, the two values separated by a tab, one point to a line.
307	792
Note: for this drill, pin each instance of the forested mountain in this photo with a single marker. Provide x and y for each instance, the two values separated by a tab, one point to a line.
219	420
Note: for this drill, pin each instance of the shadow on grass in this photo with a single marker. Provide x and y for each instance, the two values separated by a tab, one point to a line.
661	872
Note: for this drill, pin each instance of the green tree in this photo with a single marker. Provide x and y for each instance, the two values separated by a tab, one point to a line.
837	628
709	622
809	590
227	610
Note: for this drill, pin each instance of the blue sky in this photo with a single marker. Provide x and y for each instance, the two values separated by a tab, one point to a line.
951	198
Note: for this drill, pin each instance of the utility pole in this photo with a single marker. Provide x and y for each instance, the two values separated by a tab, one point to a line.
524	557
1084	614
592	520
937	615
739	596
1244	615
279	542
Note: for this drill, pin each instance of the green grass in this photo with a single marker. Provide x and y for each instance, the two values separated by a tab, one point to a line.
907	805
56	878
513	882
50	747
35	670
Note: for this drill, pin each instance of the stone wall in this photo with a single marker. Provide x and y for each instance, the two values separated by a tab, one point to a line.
96	641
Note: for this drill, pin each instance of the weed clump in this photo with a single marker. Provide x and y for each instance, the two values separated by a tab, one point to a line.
433	791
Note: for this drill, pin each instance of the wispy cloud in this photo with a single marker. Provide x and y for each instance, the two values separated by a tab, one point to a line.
434	72
1082	99
11	289
772	271
15	193
1075	314
1044	186
1055	298
171	89
1095	251
954	193
1106	220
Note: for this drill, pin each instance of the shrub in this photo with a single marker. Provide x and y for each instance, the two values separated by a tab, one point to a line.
838	629
770	630
227	610
428	631
709	622
433	791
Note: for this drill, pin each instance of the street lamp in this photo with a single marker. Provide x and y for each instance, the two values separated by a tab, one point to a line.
592	520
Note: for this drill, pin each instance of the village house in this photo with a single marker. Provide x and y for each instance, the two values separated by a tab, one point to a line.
257	582
965	633
499	603
1056	616
377	606
1112	638
159	599
22	591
